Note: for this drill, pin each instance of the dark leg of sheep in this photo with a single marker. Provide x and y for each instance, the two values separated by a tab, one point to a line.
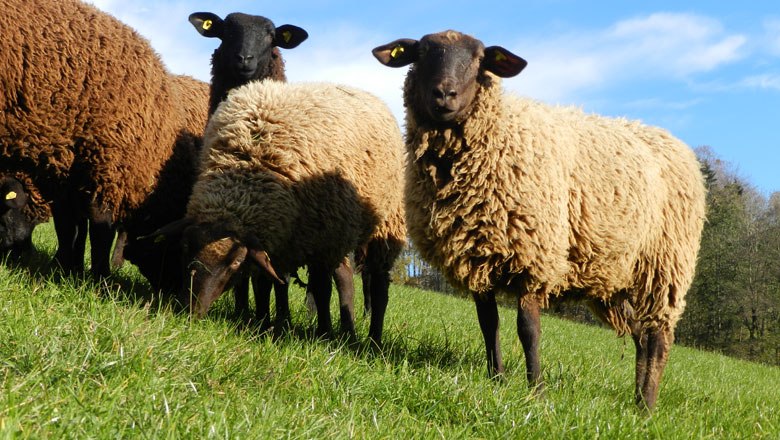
529	330
281	294
379	287
71	237
117	257
241	298
320	285
360	262
487	313
366	278
652	353
346	288
101	237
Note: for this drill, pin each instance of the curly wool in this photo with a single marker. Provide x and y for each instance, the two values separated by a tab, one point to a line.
306	169
86	105
552	200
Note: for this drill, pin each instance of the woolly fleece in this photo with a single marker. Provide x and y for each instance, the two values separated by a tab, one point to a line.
308	169
544	200
86	105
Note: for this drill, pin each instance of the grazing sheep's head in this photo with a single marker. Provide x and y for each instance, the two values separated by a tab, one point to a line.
448	68
247	42
211	258
15	227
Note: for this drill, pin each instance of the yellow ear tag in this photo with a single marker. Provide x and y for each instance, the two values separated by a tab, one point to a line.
206	25
500	57
398	50
10	196
287	35
159	239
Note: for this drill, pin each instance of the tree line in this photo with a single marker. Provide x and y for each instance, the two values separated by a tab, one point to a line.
733	305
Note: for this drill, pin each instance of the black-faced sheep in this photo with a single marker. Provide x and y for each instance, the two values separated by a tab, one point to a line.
507	194
89	111
248	51
21	209
295	175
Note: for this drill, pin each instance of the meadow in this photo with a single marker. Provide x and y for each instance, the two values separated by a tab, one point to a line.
80	359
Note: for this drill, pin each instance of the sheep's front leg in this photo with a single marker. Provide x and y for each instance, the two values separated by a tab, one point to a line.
281	294
101	237
529	331
71	232
320	285
487	313
652	353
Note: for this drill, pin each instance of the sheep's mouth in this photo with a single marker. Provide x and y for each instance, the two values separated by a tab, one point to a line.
443	113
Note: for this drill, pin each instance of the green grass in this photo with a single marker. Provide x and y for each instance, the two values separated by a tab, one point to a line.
79	360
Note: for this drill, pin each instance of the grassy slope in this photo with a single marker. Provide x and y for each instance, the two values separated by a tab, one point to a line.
80	360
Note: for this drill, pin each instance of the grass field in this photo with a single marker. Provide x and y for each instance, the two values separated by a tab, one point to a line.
79	360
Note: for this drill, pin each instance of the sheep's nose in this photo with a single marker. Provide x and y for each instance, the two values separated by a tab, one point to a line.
444	93
244	58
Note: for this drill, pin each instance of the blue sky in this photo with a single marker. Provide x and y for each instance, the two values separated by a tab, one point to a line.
708	71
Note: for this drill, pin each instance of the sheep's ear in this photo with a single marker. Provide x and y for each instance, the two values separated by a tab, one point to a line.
207	24
13	195
289	36
171	229
502	62
14	200
262	259
399	53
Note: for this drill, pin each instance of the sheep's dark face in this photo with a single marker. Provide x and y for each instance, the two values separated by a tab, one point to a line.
446	76
448	67
248	42
15	227
211	260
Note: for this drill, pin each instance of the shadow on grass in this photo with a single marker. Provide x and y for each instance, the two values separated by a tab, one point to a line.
129	288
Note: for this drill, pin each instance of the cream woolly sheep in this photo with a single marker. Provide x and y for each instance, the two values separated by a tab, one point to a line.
507	194
88	111
295	175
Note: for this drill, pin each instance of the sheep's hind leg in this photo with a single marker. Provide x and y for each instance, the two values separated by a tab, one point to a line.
346	289
487	313
652	353
529	331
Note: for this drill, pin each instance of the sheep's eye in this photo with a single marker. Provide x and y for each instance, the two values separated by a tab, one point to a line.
236	263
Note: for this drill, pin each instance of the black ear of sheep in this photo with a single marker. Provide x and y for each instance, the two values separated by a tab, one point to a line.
289	36
502	62
399	53
171	229
207	24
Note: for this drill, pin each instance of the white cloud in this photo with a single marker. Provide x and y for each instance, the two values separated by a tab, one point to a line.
765	82
336	57
661	45
772	28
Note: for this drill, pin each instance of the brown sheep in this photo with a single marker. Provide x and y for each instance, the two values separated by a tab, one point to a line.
89	112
